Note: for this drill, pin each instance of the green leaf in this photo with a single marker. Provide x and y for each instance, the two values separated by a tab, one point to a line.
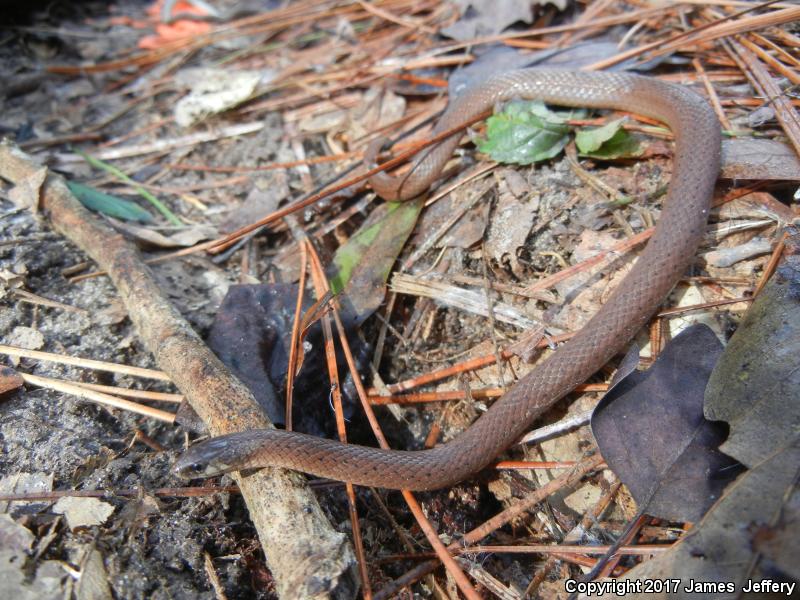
362	265
607	142
107	204
159	206
590	140
524	133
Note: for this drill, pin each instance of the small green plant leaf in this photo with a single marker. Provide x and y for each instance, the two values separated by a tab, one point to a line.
107	204
607	142
157	204
362	265
524	133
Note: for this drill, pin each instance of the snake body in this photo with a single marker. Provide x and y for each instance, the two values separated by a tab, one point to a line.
670	250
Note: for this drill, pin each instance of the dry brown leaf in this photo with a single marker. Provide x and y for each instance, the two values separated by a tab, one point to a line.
83	512
9	380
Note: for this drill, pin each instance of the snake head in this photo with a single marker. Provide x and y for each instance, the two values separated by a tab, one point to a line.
206	459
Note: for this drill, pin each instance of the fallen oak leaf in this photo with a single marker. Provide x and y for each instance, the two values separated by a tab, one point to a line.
779	542
490	18
673	470
755	387
651	430
722	549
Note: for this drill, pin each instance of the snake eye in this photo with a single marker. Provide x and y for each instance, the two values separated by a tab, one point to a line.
189	470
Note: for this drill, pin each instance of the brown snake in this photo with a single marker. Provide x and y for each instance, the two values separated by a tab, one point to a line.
671	248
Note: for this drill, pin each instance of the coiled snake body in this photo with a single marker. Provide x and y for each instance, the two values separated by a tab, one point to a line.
671	248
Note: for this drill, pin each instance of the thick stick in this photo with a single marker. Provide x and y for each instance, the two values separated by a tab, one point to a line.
308	559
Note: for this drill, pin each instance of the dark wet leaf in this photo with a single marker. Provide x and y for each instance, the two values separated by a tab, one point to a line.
627	366
107	204
362	265
651	430
723	546
525	132
607	142
755	387
251	334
